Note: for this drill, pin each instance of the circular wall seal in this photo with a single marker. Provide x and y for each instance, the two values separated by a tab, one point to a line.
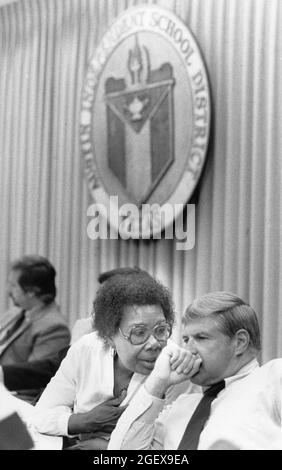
145	120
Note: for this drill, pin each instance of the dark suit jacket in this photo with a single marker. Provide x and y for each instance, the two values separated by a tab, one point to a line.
32	375
45	333
38	337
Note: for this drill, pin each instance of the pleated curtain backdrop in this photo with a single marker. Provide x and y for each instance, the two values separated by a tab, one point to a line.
45	46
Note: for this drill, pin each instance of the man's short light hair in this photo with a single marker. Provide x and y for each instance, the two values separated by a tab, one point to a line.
230	312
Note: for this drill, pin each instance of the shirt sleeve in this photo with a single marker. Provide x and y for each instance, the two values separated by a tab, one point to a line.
56	403
137	429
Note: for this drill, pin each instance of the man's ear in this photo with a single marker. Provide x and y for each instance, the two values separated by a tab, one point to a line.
242	338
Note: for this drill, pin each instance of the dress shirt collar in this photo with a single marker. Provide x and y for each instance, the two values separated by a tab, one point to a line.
244	371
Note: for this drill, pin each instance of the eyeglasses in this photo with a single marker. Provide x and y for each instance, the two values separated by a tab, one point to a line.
141	333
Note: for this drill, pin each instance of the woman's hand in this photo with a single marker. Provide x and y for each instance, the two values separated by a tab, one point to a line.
101	418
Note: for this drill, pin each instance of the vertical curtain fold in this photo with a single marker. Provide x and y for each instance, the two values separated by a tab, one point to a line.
45	46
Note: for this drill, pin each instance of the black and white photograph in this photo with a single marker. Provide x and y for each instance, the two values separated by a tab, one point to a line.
141	228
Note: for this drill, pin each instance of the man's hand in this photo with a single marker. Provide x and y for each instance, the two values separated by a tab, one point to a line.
101	418
174	365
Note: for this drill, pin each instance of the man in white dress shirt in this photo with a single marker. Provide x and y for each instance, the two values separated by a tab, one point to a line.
132	321
222	334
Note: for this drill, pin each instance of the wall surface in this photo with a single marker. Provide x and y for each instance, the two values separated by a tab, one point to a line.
45	46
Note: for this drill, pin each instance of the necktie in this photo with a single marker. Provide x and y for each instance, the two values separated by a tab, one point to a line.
12	328
196	424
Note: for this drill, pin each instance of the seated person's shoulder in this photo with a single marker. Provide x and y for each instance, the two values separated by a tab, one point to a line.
88	344
50	317
87	350
273	368
82	326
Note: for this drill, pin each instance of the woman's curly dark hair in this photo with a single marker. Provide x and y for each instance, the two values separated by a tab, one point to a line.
124	290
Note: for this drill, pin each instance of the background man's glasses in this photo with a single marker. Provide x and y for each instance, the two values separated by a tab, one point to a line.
141	333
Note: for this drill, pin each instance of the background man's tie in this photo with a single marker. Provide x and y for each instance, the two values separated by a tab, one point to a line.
14	326
196	424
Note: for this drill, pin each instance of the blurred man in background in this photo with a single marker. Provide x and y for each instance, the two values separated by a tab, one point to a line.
34	329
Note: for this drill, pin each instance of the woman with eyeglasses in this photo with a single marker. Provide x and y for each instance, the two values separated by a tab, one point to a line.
103	370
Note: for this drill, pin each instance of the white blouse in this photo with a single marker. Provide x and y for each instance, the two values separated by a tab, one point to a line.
84	380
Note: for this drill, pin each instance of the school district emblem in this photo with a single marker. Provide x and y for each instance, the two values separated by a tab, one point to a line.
145	117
